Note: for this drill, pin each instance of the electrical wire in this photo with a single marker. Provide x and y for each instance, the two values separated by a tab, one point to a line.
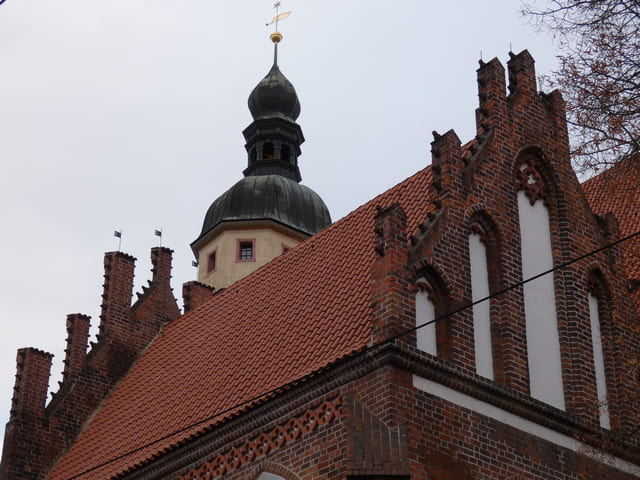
513	286
289	385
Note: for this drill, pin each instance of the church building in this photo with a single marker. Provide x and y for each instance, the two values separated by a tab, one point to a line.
479	320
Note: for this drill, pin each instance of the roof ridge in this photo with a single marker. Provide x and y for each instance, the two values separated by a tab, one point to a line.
192	368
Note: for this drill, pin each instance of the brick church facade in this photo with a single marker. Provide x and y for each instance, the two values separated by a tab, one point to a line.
402	341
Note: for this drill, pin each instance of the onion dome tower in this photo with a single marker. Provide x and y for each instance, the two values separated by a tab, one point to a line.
268	211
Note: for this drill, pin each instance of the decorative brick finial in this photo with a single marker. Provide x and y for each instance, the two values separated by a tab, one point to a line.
118	290
389	275
522	73
77	338
492	95
446	158
161	259
32	383
195	294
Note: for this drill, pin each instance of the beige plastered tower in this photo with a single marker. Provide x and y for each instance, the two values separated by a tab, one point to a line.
268	211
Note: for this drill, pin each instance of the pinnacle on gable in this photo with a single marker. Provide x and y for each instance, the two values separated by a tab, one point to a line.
522	73
76	351
32	383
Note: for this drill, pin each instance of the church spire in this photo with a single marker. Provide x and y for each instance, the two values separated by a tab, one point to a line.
269	210
274	138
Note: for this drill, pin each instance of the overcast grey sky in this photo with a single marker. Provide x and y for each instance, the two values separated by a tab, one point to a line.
127	114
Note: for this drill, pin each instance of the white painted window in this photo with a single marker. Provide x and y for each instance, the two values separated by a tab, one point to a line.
481	311
425	312
598	360
543	343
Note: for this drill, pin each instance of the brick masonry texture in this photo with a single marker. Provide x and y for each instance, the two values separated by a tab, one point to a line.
200	396
36	436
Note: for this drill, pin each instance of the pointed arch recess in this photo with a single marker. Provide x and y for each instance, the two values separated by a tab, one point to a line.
432	301
599	298
484	264
541	319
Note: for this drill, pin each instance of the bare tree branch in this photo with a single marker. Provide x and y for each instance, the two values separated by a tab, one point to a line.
599	73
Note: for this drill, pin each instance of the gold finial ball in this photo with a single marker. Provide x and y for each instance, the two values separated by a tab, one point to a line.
276	37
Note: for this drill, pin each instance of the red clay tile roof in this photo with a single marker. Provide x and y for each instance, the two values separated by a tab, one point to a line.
297	314
616	190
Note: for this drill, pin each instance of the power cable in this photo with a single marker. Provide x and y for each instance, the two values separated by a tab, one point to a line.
365	350
511	287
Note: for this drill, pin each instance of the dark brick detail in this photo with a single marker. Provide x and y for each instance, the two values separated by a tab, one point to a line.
156	306
522	74
374	447
610	232
195	294
77	343
447	164
37	435
116	298
389	296
492	96
24	452
161	262
278	437
32	383
529	180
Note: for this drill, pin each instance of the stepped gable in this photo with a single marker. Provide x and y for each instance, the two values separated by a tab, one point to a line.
294	316
616	190
39	432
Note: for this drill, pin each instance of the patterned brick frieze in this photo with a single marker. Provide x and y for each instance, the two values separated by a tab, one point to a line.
260	445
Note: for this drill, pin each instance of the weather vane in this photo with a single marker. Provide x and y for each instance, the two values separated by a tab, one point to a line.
276	36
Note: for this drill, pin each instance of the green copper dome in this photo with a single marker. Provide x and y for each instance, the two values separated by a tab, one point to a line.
274	96
269	197
270	189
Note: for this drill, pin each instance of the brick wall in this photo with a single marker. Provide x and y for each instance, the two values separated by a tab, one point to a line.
475	188
365	417
382	427
36	434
